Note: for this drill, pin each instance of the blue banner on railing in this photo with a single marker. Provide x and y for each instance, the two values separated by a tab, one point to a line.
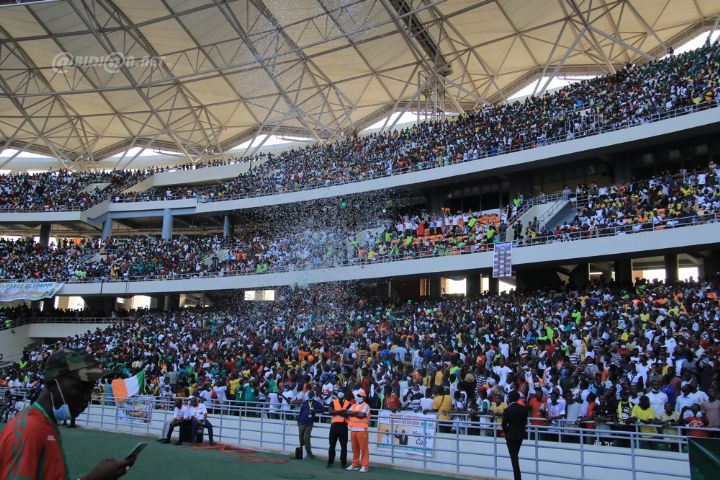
10	292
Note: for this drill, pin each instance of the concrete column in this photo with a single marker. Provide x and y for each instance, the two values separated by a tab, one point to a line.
167	226
436	201
227	227
711	266
580	276
623	272
435	286
171	301
155	302
622	172
101	306
472	285
671	267
45	234
494	285
107	228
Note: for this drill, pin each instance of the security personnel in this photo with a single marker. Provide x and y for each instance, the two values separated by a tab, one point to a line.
359	422
338	428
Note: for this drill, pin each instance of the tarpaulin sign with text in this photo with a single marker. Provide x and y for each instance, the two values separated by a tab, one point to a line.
502	260
10	292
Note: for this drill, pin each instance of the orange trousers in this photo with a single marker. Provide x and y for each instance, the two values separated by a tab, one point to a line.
359	442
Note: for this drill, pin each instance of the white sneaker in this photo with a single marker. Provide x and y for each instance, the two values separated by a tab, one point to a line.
363	470
351	468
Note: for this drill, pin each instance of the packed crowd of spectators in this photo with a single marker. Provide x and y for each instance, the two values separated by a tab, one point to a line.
24	259
602	358
444	233
150	257
630	97
62	189
667	200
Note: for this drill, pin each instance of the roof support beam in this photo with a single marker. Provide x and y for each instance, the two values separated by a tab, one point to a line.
617	40
429	69
107	45
399	98
35	77
712	30
648	29
212	61
562	61
491	73
306	62
40	134
120	18
593	40
550	57
302	117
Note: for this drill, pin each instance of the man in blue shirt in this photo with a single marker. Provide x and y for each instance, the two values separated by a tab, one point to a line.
306	418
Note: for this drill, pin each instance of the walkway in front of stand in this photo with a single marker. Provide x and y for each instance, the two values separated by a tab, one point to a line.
85	448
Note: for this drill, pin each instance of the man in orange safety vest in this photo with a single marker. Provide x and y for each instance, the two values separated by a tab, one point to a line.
358	423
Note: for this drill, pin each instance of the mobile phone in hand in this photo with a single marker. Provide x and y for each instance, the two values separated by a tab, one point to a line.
136	451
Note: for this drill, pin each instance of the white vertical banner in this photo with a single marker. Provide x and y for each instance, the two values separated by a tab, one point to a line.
502	260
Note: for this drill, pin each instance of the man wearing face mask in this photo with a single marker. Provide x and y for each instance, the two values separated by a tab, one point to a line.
30	444
359	423
338	428
306	418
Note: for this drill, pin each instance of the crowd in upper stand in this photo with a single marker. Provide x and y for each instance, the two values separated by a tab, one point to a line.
601	356
148	257
136	257
630	97
666	200
59	190
62	189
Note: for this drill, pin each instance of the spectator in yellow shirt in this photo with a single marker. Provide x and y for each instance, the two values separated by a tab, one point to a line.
442	403
644	414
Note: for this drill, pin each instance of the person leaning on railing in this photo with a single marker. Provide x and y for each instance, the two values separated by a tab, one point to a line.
644	414
669	421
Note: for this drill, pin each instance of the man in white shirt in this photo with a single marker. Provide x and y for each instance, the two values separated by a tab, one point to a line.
200	420
177	419
206	395
555	408
657	399
502	371
685	400
287	399
220	390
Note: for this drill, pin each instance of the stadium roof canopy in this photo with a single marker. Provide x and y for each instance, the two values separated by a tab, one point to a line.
82	80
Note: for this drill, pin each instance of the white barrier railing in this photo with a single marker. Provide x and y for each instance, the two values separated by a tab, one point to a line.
621	455
467	447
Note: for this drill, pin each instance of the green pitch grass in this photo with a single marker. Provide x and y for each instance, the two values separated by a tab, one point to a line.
85	448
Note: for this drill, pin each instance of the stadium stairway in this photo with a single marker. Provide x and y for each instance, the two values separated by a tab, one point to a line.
545	208
92	186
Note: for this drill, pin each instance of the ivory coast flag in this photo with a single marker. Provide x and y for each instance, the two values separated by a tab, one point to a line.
122	389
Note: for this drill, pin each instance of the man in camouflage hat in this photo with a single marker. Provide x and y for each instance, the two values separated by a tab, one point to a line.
30	444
